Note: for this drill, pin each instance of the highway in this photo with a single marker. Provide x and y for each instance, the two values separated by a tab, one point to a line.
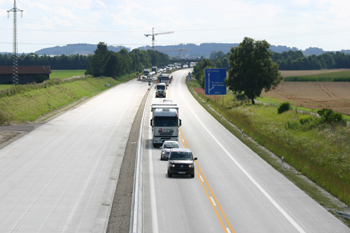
61	177
234	189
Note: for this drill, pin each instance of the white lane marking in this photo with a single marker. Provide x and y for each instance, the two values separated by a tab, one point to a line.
201	178
283	212
228	230
212	200
152	189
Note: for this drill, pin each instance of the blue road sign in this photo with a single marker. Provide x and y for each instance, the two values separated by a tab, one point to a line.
214	81
189	73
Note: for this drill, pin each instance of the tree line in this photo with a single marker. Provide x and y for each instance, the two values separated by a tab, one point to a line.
294	60
114	64
62	62
102	63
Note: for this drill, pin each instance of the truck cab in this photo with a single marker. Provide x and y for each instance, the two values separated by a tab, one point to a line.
161	90
165	123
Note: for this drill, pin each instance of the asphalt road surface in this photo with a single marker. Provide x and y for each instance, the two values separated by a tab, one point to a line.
234	189
61	177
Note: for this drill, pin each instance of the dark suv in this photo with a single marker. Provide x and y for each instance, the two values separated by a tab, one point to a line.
181	162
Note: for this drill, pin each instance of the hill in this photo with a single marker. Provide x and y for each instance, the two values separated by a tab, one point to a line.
82	49
181	50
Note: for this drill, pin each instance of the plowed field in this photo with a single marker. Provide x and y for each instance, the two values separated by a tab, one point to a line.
314	95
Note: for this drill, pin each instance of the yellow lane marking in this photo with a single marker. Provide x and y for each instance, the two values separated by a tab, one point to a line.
212	199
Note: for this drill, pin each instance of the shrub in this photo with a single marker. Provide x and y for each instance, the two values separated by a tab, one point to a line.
329	116
304	119
292	125
285	106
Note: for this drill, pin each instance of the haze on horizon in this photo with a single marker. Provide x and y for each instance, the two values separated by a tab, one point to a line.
296	23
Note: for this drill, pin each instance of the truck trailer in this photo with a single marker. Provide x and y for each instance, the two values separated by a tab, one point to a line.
165	123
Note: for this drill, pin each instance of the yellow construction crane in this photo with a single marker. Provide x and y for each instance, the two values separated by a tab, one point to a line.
156	34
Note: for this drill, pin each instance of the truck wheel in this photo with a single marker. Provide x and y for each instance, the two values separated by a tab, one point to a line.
192	175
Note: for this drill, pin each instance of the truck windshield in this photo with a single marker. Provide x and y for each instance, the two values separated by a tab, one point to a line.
165	121
161	87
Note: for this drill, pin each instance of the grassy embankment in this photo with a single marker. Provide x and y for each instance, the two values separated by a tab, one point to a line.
319	152
26	103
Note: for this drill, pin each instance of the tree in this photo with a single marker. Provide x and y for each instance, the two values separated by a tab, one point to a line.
252	69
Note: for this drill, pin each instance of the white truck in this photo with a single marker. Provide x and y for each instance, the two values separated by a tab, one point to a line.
165	123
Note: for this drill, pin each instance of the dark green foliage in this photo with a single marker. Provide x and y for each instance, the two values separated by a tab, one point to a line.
284	107
115	64
252	69
329	116
295	60
199	70
61	62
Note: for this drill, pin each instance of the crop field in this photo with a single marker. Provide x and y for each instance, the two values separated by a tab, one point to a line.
288	73
313	95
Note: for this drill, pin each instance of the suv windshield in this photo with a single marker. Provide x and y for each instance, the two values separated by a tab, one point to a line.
171	145
179	155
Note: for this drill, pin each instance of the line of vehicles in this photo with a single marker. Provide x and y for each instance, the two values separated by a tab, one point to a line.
165	124
149	73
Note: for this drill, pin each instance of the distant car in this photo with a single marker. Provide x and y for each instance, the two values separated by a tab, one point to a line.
165	149
167	101
181	162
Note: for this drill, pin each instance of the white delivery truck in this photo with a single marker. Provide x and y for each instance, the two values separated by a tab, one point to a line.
165	123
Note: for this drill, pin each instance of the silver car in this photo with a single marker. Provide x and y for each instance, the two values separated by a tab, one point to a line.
165	149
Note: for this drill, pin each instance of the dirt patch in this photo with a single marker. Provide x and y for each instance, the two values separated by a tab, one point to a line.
314	95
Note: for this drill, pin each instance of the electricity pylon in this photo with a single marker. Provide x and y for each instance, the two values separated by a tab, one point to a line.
15	59
156	34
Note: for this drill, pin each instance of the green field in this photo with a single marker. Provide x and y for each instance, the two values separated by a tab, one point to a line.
5	86
62	74
341	76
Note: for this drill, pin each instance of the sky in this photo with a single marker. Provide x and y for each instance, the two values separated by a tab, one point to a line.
294	23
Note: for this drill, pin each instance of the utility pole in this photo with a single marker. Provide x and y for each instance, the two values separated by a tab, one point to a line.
156	34
15	59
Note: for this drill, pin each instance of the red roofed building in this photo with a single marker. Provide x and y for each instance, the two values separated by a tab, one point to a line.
26	74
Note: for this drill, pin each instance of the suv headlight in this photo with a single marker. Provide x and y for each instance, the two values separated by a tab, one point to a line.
163	152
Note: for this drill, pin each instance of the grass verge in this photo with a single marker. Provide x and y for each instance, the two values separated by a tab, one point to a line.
318	156
28	102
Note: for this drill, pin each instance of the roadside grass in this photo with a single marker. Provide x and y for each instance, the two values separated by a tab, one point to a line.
28	102
341	76
5	86
319	152
276	102
62	74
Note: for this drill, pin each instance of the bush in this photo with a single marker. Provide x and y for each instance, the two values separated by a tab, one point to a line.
284	107
292	125
304	119
329	116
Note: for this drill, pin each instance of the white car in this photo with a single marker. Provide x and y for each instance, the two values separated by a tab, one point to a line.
166	147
